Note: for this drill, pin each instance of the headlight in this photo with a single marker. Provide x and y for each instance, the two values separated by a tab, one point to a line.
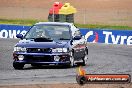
60	50
56	58
20	57
19	49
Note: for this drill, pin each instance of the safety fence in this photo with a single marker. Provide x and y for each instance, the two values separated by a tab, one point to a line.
107	36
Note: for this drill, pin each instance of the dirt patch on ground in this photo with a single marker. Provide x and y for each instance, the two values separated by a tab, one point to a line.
91	4
70	86
115	12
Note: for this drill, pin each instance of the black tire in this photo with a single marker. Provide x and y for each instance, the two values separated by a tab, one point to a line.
72	64
85	58
18	66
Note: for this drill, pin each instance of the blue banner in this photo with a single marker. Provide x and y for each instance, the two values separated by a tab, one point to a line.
10	31
108	36
91	35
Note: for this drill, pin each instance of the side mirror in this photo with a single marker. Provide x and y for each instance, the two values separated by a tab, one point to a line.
77	37
19	36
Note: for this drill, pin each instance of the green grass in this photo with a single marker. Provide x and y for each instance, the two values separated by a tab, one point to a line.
104	26
29	22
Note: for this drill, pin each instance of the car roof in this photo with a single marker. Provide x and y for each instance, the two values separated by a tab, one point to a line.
59	23
55	23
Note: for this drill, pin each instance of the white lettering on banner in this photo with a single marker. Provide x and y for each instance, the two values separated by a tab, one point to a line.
107	36
129	40
115	40
11	33
123	39
3	34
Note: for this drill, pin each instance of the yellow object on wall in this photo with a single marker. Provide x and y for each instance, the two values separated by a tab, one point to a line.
67	9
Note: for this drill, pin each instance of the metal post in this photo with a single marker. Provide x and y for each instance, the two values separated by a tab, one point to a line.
53	15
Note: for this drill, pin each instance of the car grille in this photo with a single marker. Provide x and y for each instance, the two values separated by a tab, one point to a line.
39	58
39	50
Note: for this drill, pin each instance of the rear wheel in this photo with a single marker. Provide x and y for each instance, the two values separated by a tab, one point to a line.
18	66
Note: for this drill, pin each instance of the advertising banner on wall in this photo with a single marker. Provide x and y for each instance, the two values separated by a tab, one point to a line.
10	31
91	35
108	36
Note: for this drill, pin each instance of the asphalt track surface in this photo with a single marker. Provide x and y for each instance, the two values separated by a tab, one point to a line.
103	58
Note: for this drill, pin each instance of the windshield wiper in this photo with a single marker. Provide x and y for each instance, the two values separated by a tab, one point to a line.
43	39
64	39
40	38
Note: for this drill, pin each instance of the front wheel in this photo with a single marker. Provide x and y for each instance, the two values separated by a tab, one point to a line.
72	63
18	66
85	58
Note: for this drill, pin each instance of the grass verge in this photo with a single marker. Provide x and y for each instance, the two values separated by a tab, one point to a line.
26	22
104	26
29	22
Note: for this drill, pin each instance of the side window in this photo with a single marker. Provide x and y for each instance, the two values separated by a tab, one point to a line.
77	33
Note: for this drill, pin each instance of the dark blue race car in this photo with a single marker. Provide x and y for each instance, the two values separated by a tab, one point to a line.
51	43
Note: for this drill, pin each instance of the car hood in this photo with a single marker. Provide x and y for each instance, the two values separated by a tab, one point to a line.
32	44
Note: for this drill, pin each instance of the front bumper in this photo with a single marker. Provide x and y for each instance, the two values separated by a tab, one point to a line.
42	58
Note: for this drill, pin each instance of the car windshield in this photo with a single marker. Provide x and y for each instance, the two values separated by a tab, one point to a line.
54	32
